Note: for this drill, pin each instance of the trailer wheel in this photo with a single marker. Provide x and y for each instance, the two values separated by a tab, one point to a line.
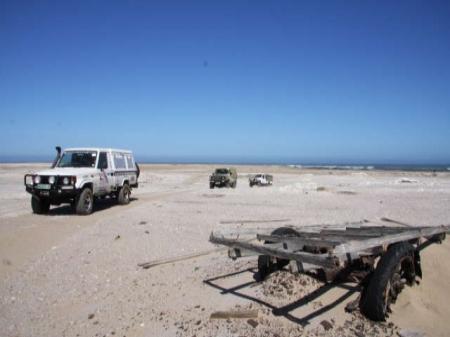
265	267
395	268
267	264
287	232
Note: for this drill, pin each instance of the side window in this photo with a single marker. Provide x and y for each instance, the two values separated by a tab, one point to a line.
102	161
129	161
119	161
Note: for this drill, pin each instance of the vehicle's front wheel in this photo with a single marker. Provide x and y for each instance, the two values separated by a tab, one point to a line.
85	202
211	185
124	195
39	205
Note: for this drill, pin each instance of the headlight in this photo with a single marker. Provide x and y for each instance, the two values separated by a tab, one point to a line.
29	180
51	180
37	179
66	181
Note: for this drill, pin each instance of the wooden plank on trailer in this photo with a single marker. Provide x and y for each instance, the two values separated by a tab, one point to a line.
384	228
364	232
316	242
323	260
356	246
235	253
340	237
234	314
396	222
344	233
154	263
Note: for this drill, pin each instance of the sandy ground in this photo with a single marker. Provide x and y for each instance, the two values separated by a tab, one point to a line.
68	275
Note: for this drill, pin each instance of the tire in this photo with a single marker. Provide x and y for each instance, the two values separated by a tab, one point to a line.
267	264
283	231
385	284
39	206
211	186
265	267
233	185
124	195
251	185
85	202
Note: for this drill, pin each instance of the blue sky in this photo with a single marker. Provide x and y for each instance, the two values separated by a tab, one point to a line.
300	81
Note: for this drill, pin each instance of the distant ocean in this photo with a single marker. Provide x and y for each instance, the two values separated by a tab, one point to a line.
382	167
243	161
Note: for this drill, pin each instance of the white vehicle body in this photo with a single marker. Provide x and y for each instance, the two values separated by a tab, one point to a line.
261	179
104	171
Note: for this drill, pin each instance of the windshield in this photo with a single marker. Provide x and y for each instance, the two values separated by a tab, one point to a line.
222	171
78	159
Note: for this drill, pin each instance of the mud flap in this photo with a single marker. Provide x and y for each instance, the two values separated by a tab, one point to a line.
417	264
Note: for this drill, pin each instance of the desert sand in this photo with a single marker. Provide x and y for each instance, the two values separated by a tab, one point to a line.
68	275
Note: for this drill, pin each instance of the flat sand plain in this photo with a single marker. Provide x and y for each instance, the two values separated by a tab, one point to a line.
68	275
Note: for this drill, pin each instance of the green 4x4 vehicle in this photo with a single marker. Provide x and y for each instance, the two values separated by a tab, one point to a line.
223	177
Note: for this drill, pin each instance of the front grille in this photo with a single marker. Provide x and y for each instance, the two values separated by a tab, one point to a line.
58	180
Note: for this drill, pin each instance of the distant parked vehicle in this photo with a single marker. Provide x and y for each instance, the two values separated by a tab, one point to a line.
79	175
223	177
260	180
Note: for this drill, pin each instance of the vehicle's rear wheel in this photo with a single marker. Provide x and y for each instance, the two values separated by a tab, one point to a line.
394	270
85	202
233	184
124	195
211	186
251	185
39	205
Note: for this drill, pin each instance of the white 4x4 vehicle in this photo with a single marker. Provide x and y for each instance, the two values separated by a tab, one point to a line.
79	175
260	180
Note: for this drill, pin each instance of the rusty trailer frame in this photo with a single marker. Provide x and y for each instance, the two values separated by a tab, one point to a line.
341	249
